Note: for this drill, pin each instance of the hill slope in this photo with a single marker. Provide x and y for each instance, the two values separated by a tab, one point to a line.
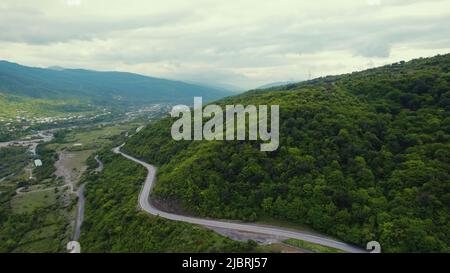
104	88
363	156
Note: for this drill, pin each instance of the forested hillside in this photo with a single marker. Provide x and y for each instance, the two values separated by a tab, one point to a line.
363	156
97	88
113	223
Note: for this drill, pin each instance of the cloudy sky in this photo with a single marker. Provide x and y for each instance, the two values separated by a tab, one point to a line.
245	43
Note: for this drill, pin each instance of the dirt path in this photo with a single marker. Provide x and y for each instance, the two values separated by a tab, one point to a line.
21	190
70	166
81	203
69	169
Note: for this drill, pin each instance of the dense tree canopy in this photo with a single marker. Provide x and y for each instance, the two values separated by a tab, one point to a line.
114	224
363	156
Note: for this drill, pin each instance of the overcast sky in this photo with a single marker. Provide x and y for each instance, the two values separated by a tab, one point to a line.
242	43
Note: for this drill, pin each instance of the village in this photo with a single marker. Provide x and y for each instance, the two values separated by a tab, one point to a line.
24	120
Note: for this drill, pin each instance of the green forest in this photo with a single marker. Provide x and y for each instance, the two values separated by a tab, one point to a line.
30	224
363	156
113	222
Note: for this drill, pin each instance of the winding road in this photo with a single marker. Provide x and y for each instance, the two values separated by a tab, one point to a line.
81	203
100	167
145	204
20	190
80	213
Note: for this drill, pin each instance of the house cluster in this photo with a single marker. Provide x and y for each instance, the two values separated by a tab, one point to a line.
23	120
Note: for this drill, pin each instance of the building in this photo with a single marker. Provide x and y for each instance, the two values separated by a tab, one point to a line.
38	163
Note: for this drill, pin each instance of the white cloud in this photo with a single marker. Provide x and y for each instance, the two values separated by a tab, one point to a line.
245	42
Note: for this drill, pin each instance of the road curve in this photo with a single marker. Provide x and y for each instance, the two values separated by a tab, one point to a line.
20	190
100	167
81	203
145	204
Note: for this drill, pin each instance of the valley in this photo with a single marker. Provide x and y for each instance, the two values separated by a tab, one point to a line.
224	136
34	99
47	200
19	123
358	160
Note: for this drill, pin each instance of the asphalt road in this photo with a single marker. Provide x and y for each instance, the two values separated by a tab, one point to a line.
100	167
145	204
81	203
80	213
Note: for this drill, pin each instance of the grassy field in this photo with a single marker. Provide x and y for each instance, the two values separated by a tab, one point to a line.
71	165
48	237
91	138
78	161
279	223
311	246
12	106
25	203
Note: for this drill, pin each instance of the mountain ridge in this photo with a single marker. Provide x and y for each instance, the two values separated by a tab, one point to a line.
98	86
363	156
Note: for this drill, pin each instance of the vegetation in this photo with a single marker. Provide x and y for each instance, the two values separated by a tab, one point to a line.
12	160
12	106
48	157
90	138
34	221
43	230
21	115
29	202
93	88
113	222
311	246
362	157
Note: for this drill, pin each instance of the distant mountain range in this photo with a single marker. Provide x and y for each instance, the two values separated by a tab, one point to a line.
99	88
220	86
274	84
